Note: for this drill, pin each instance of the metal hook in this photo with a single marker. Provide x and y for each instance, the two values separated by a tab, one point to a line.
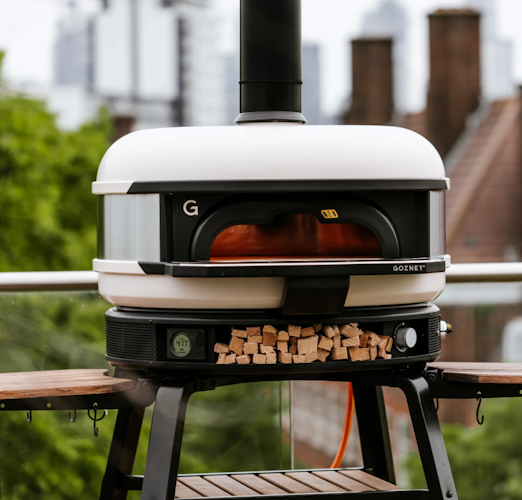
30	416
96	419
73	419
480	420
437	404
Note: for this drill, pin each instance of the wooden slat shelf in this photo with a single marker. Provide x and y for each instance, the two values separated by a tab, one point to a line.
479	373
53	383
279	483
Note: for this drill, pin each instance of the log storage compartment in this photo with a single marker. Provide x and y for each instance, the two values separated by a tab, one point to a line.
252	342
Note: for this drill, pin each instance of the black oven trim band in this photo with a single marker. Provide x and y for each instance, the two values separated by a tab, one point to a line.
290	269
276	186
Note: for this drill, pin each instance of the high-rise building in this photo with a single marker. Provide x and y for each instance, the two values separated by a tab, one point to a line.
497	54
160	61
389	20
232	68
311	76
71	48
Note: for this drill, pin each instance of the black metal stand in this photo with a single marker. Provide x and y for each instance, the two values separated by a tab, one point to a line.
168	421
373	431
161	470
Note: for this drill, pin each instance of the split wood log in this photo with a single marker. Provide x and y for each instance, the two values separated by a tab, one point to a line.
311	357
325	343
222	359
389	343
308	331
328	330
242	334
365	353
293	345
294	331
363	340
339	353
381	353
219	347
322	354
250	348
269	329
271	358
307	345
265	349
259	359
383	344
373	353
283	336
231	359
336	330
374	340
282	346
253	331
350	330
317	327
269	339
298	359
351	342
355	354
243	360
257	339
236	345
284	357
337	340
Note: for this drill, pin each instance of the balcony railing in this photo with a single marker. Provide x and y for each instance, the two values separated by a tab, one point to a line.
56	281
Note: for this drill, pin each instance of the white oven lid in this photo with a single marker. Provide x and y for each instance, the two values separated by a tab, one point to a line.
267	152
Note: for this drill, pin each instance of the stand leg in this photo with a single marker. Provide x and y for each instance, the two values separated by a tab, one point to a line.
161	468
373	431
122	452
429	437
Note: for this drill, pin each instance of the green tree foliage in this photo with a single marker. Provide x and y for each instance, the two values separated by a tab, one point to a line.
486	460
48	222
48	217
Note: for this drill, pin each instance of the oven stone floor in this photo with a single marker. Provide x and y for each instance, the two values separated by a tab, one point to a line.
279	483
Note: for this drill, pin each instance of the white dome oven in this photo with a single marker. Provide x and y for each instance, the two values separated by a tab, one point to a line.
272	222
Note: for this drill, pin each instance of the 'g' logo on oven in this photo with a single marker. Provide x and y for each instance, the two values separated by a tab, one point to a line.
330	213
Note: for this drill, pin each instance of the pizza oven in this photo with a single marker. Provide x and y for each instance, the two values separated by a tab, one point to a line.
209	230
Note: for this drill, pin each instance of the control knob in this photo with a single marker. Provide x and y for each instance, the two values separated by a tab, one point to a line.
405	337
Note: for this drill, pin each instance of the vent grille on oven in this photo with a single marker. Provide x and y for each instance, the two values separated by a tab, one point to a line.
434	335
131	340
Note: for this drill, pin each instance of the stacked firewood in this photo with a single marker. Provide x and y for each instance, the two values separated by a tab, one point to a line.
299	344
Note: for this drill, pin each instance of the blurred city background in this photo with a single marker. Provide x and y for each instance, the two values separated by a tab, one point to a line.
78	74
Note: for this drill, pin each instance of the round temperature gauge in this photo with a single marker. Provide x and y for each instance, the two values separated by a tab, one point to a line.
181	344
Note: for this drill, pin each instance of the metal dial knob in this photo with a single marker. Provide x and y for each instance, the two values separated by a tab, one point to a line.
406	337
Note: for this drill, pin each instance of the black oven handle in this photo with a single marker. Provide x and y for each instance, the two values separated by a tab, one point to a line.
263	212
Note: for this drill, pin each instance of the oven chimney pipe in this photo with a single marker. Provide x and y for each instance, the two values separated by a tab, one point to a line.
270	70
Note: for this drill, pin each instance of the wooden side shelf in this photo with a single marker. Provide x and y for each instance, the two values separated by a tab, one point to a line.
52	383
479	373
279	483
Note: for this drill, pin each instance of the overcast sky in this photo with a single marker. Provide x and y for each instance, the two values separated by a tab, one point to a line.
27	29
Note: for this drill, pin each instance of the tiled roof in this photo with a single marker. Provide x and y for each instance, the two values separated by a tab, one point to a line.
484	204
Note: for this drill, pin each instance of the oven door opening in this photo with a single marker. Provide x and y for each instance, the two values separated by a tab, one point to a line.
295	237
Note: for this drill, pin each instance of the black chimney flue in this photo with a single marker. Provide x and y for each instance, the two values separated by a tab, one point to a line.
270	81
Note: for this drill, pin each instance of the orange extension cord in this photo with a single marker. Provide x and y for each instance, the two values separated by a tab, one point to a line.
346	431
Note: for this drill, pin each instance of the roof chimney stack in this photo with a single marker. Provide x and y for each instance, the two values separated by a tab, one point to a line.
454	87
372	82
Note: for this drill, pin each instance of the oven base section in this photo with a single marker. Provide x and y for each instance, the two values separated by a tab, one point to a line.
127	285
184	340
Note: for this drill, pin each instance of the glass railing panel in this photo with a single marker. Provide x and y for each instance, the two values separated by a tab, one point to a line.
233	428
